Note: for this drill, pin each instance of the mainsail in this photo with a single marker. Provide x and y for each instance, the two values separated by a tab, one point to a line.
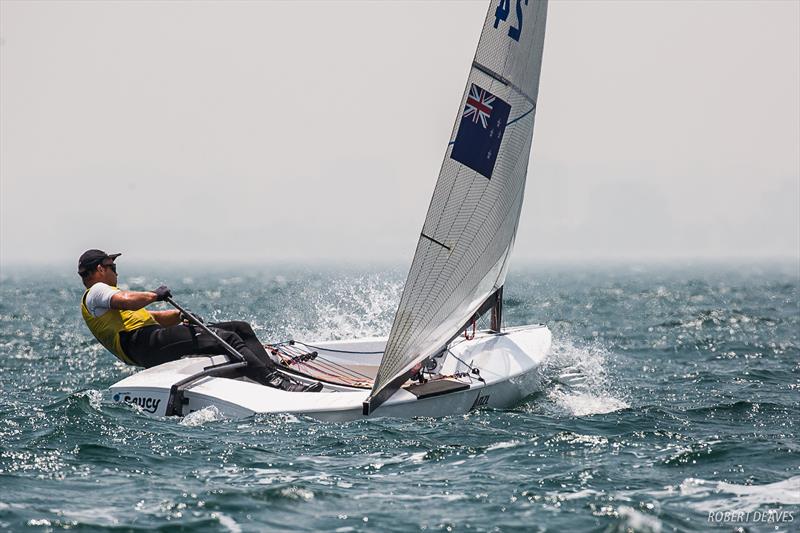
462	254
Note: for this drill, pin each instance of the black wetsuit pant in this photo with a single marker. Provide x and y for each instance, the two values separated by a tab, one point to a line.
152	345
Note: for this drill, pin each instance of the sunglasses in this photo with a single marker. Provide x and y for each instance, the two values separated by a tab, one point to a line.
112	266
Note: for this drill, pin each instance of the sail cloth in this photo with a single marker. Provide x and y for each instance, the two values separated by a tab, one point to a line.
462	254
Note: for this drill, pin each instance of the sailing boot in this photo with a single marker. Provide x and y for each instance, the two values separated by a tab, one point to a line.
278	381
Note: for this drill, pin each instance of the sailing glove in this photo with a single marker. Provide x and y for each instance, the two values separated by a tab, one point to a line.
162	293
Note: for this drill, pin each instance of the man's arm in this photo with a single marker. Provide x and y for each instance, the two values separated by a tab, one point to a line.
132	300
170	317
135	300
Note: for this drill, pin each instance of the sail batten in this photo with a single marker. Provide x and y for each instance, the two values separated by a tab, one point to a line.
461	257
498	77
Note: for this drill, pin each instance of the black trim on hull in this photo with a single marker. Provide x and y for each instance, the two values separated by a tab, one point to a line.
436	388
176	400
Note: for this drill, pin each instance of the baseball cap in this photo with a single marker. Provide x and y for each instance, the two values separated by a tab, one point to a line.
91	258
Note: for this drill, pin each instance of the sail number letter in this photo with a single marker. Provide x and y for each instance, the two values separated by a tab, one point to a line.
503	11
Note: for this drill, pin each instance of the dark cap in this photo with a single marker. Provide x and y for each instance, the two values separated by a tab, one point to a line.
91	258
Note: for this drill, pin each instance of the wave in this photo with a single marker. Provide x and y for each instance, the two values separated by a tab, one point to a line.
718	496
699	453
739	408
632	520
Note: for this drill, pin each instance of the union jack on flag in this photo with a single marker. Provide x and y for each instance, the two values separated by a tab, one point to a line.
479	105
481	130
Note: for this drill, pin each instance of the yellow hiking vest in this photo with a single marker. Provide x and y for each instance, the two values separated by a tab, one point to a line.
107	327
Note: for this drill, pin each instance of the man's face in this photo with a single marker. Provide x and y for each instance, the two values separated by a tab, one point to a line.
108	272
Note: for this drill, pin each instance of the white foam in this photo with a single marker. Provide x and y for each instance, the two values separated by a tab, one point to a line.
586	403
417	457
227	522
95	398
297	493
638	521
5	506
715	496
102	516
583	386
501	445
578	495
204	415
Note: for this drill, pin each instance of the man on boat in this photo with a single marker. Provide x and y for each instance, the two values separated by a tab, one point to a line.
119	320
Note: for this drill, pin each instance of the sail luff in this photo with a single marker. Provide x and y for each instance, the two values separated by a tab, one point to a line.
462	253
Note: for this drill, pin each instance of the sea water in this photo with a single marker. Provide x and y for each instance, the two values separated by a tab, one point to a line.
670	402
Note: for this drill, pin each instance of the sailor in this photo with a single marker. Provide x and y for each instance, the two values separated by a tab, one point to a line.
137	336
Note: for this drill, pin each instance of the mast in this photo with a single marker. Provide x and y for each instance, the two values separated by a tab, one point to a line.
461	259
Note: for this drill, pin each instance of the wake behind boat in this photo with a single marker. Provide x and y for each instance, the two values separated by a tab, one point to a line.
424	367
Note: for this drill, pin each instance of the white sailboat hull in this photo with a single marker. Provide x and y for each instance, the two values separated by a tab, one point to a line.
509	365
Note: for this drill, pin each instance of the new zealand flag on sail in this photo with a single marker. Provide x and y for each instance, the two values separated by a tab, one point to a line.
483	123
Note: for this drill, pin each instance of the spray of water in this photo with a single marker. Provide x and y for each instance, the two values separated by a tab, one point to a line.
351	308
364	306
580	382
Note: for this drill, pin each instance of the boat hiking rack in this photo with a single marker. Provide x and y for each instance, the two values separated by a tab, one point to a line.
305	360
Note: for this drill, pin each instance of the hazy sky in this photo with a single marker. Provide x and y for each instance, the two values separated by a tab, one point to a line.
257	131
